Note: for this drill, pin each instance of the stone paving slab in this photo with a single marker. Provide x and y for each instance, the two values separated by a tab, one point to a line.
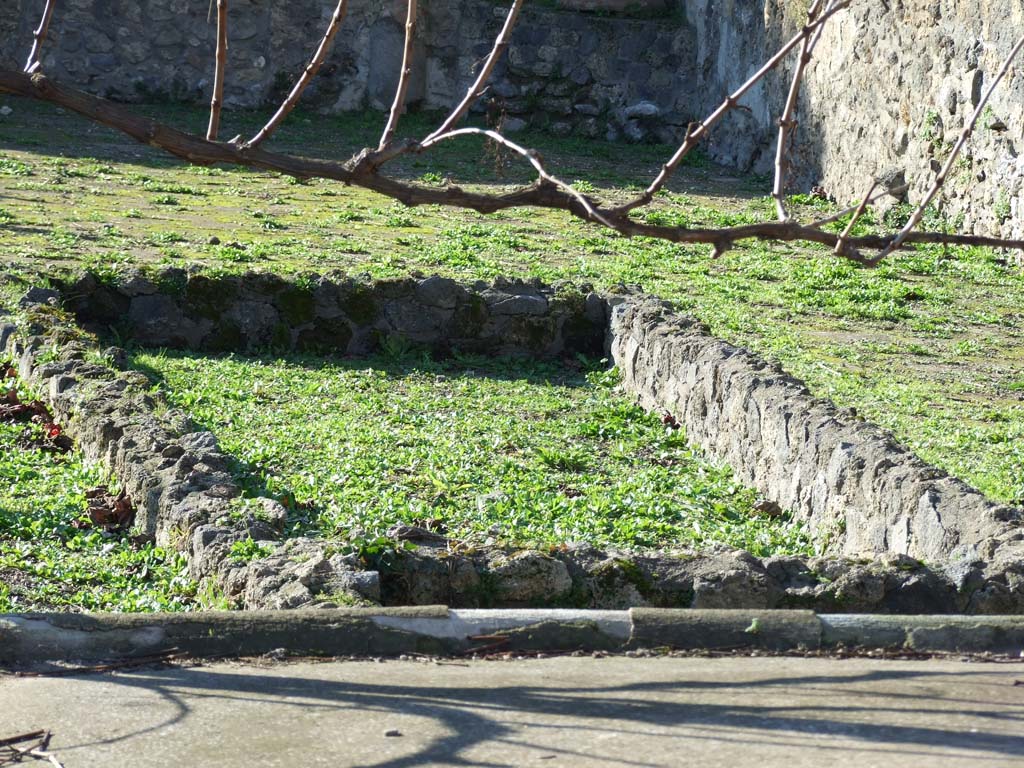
568	711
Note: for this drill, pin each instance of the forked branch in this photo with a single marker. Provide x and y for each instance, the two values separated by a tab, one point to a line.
533	157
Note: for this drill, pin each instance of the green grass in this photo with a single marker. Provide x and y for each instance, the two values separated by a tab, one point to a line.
494	450
930	345
47	563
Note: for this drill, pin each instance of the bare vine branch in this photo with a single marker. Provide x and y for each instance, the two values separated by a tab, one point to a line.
940	179
841	246
39	37
218	73
873	198
403	78
476	90
361	170
787	123
306	77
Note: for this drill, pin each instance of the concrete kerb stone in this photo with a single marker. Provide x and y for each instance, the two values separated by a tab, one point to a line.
436	630
188	501
777	630
926	634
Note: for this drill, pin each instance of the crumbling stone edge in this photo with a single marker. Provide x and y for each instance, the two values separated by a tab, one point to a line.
187	500
437	630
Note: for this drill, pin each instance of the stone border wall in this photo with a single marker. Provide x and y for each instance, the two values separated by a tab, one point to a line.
861	492
342	315
727	398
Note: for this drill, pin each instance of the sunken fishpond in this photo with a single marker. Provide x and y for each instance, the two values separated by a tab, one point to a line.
888	533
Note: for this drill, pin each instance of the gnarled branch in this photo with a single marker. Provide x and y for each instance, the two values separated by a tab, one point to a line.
548	191
361	171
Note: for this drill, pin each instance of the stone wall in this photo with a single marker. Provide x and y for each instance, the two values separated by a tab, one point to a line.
565	70
861	492
187	499
343	316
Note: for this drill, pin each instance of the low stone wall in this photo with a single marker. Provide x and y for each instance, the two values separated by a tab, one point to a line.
849	480
343	315
860	491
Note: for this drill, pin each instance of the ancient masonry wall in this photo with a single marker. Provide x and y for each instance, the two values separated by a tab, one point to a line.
861	492
566	72
892	86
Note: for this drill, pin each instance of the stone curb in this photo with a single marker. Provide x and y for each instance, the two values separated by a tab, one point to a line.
438	630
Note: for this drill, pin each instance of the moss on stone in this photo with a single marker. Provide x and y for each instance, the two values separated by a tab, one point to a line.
325	336
295	304
281	336
209	297
225	338
470	317
359	303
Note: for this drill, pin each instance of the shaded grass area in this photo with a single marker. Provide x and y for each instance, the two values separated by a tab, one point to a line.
929	345
489	451
47	563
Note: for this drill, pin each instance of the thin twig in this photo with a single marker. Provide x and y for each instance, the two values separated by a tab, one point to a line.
11	752
42	754
786	121
534	159
307	76
494	646
39	35
219	67
477	88
940	179
32	736
841	246
403	78
694	136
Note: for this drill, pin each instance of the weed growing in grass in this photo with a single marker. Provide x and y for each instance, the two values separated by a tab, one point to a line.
512	451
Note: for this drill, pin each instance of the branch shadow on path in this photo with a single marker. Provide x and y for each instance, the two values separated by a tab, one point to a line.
784	710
